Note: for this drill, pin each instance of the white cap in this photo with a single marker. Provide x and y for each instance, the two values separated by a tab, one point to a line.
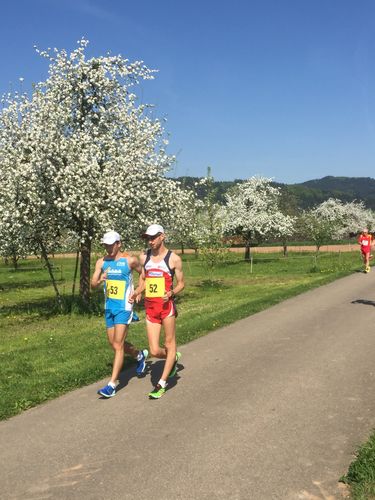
154	229
110	238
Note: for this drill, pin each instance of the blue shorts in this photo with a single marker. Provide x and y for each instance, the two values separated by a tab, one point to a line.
113	318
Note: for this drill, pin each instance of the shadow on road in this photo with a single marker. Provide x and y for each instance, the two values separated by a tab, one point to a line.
155	369
364	301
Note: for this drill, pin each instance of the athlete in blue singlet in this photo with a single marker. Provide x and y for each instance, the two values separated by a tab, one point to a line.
115	271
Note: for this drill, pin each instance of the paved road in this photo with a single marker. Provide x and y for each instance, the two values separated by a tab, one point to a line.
272	407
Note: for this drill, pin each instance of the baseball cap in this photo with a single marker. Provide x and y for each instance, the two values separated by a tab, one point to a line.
153	230
110	237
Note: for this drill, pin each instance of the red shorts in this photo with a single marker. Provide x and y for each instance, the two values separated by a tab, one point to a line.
157	311
365	250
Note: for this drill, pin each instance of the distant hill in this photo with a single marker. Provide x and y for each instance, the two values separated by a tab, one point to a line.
355	186
307	194
345	188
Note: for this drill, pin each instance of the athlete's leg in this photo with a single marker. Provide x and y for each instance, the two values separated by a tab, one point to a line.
119	335
169	325
363	255
110	335
153	334
367	260
130	349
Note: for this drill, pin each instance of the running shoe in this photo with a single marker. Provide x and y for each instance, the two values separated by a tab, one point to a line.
141	364
174	367
135	317
108	391
157	392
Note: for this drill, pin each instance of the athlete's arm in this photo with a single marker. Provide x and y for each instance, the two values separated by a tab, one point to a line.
134	264
98	277
137	294
176	264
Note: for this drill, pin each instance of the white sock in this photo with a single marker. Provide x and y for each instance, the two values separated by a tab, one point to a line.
140	356
163	383
112	384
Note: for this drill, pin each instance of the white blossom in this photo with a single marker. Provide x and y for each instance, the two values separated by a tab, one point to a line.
253	212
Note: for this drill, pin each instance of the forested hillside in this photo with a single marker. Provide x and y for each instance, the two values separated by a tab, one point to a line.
306	194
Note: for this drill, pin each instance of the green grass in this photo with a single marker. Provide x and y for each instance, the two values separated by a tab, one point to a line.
44	354
361	474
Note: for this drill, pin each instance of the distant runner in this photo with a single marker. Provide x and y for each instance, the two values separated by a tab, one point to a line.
159	267
115	271
365	240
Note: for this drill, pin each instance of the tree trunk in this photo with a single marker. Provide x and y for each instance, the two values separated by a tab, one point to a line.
285	250
247	251
50	271
182	248
15	261
75	273
84	282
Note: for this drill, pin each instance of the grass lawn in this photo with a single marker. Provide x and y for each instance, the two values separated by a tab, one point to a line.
361	474
44	354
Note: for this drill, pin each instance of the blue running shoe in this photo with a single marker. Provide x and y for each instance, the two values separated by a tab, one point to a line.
135	317
108	391
141	364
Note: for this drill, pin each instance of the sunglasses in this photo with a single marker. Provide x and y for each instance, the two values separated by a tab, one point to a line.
151	238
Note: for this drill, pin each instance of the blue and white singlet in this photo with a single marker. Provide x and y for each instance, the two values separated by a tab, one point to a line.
118	286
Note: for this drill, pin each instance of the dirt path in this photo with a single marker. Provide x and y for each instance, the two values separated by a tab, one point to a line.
293	249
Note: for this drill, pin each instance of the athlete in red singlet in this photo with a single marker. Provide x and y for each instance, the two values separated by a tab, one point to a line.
365	240
159	267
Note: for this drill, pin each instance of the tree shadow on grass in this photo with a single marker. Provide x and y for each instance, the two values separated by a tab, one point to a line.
208	285
47	308
35	284
364	302
24	268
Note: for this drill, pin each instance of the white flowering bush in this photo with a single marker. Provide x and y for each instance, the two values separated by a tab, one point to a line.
334	220
208	235
346	218
253	213
182	219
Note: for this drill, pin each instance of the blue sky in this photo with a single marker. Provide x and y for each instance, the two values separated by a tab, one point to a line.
279	88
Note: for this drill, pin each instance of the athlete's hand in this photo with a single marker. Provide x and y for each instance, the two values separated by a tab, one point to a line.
135	297
103	277
169	295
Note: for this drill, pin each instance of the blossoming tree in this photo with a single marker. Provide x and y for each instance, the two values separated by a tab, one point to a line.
95	158
333	219
253	212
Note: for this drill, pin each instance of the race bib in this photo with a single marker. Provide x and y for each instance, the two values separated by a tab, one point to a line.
115	289
155	287
364	243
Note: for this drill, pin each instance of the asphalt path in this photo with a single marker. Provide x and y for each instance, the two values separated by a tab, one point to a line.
271	407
